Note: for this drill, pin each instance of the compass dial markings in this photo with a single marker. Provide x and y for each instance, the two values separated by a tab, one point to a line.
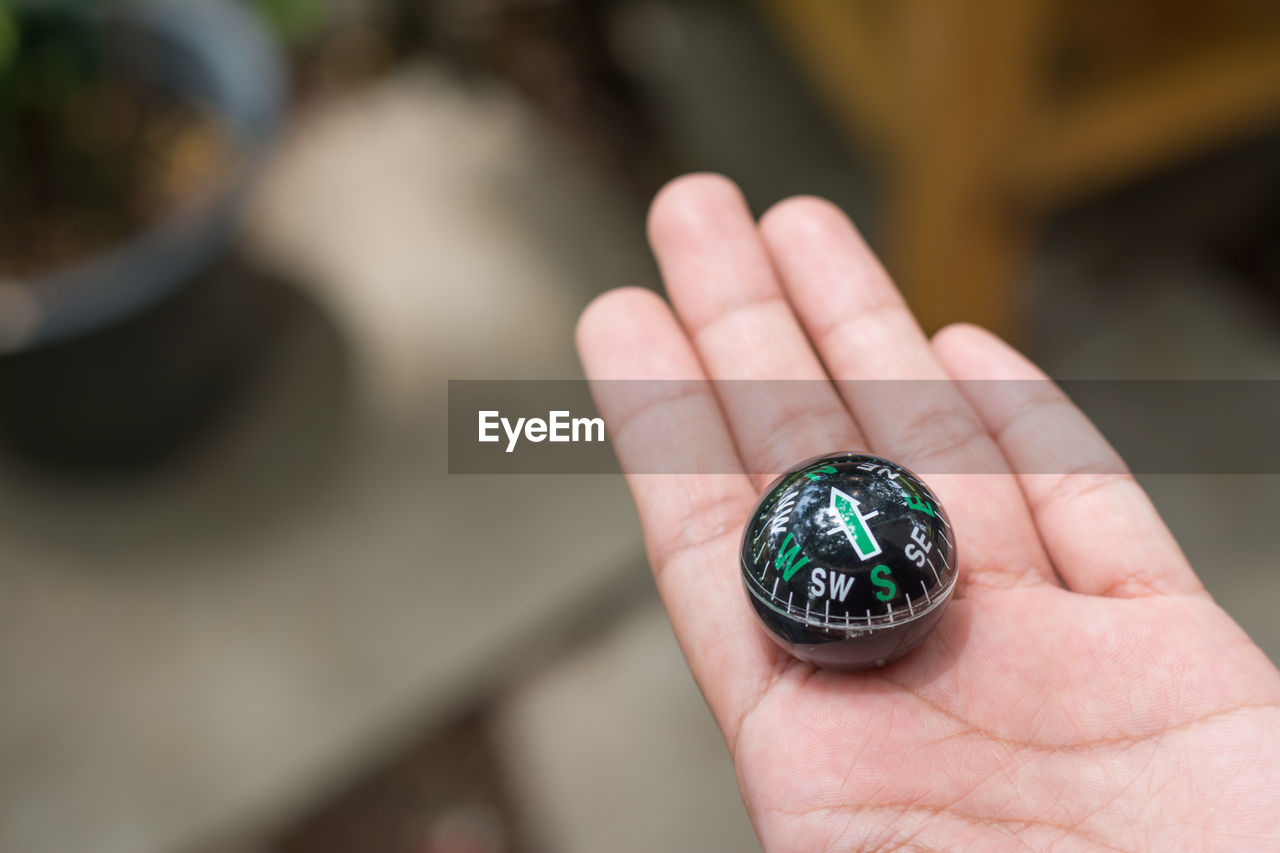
859	550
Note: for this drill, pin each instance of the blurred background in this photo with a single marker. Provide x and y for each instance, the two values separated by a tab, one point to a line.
244	244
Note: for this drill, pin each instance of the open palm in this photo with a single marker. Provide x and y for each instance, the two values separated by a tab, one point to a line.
1082	691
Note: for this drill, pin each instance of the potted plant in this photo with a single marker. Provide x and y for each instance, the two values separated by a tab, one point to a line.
129	136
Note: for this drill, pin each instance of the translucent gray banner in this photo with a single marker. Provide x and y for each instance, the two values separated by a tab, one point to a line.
520	427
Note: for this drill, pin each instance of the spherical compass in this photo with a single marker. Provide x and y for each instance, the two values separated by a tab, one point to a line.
848	560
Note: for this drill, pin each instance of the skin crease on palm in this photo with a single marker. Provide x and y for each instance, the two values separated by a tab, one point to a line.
1081	692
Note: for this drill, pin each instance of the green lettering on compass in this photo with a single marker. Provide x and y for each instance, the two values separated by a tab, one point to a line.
883	581
786	561
918	503
825	469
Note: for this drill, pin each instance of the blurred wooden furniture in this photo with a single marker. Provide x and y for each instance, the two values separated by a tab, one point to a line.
993	111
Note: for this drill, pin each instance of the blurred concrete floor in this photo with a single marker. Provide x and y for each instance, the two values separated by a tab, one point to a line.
198	652
183	663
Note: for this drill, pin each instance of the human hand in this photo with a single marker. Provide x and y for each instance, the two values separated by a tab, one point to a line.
1082	691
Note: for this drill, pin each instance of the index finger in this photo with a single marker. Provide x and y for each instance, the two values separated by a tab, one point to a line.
692	522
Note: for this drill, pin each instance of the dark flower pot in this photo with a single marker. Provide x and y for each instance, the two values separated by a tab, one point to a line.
117	356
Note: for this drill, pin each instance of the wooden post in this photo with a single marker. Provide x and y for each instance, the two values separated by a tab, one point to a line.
957	241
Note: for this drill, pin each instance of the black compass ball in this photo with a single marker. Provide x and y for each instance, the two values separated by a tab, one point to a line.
848	560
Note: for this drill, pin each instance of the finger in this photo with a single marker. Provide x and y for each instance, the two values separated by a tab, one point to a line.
692	524
864	331
1100	528
724	290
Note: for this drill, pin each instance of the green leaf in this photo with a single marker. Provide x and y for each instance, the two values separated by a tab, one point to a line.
293	20
9	37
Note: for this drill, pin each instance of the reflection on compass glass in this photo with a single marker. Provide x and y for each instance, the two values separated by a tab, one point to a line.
848	560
